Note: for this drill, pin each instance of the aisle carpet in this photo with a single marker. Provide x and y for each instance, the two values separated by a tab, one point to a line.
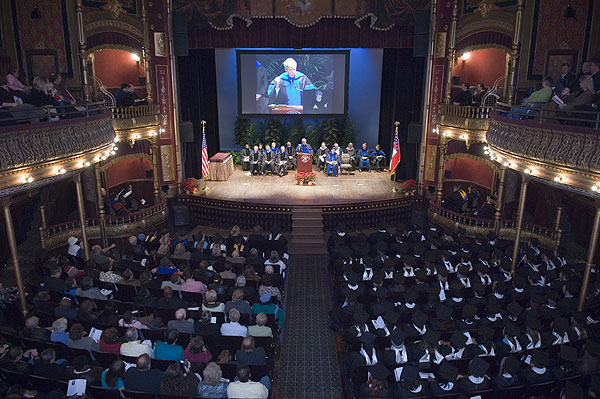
308	366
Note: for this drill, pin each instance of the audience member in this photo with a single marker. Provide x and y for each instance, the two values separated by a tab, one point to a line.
234	328
238	302
541	96
47	366
196	351
168	301
194	284
212	386
179	380
87	290
109	341
112	377
79	340
33	330
211	302
143	378
132	346
38	95
248	354
180	323
59	328
246	388
65	309
260	329
168	349
83	369
464	97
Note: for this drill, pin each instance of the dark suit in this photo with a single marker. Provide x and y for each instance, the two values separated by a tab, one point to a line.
567	80
54	284
54	371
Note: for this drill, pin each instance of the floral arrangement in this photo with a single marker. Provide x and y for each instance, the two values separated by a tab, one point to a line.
307	178
409	187
192	185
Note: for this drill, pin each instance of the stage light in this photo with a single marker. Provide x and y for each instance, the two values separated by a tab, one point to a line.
26	179
558	179
506	164
113	152
486	152
61	171
595	188
86	164
137	136
446	134
116	140
135	57
466	56
486	148
463	136
162	130
527	171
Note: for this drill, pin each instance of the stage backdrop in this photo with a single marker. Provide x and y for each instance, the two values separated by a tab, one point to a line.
364	94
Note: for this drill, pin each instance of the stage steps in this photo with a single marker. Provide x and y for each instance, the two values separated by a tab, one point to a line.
307	232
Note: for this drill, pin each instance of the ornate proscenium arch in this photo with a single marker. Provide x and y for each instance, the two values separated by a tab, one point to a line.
485	161
483	40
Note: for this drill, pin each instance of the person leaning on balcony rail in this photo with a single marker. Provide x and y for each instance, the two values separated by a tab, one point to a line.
464	97
39	93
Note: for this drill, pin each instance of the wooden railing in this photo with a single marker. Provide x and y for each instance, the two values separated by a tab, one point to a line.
466	112
135	111
478	226
116	226
549	113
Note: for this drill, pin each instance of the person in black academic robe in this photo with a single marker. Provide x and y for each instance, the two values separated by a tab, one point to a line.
268	162
245	157
281	162
291	151
322	156
256	159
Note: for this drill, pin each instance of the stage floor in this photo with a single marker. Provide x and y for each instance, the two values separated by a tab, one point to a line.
275	190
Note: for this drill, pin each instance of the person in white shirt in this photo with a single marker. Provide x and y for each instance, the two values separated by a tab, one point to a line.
133	347
234	328
245	388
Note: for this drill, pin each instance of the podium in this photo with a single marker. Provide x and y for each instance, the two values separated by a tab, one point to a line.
280	109
304	162
220	167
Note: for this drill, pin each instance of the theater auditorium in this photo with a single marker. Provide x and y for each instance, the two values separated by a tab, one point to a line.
299	199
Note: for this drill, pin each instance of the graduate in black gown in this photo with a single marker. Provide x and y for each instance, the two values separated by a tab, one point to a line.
245	157
268	161
256	160
281	162
291	151
321	156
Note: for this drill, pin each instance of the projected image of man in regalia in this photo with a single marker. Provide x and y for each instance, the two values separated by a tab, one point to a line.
287	88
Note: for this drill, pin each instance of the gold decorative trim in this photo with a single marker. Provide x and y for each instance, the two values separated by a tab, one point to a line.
112	47
483	47
104	166
482	160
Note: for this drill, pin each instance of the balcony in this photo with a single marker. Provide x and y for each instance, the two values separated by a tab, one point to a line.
557	147
40	146
141	122
463	123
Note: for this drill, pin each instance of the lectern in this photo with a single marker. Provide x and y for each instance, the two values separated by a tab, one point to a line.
304	162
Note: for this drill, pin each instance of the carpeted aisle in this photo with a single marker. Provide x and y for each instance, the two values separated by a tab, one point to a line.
308	366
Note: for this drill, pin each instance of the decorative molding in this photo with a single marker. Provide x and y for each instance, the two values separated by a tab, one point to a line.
111	25
115	160
167	162
485	161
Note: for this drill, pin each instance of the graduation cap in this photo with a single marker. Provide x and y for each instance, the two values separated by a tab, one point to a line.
447	371
463	269
482	267
419	318
533	322
341	227
560	323
486	333
411	296
409	260
512	330
514	309
391	316
491	236
399	278
398	336
568	353
540	358
431	337
493	307
573	391
458	339
367	261
498	253
444	312
379	372
469	310
354	278
409	373
478	367
595	384
360	316
345	252
421	274
593	347
367	338
512	365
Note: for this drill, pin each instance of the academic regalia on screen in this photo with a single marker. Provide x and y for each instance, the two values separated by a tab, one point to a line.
278	97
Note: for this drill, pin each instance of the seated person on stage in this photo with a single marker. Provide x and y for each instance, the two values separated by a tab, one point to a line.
337	149
378	158
268	160
464	97
486	211
457	201
260	147
350	150
304	148
274	148
245	156
332	162
287	88
291	152
256	158
281	162
321	155
362	158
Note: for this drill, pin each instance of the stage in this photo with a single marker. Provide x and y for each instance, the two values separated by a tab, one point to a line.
365	187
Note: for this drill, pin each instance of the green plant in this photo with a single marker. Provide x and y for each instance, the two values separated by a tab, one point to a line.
237	157
240	130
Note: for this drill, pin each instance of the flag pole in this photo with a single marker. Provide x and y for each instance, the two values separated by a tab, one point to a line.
396	124
205	187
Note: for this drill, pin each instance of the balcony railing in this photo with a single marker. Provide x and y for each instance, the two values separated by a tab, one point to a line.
476	226
135	111
466	112
116	226
550	113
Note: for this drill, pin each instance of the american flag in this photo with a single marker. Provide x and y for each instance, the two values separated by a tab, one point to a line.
204	153
395	153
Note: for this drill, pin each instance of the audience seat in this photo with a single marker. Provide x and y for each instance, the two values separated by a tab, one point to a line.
103	393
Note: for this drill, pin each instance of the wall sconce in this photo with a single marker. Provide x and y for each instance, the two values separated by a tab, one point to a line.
135	57
36	13
466	56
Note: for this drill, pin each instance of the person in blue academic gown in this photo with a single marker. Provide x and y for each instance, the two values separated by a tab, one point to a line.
332	161
362	158
291	82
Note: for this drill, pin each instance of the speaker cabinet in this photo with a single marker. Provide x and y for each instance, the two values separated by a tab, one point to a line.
186	132
414	133
181	216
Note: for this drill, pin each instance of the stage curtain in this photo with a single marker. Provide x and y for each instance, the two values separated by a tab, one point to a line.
401	100
278	33
197	102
